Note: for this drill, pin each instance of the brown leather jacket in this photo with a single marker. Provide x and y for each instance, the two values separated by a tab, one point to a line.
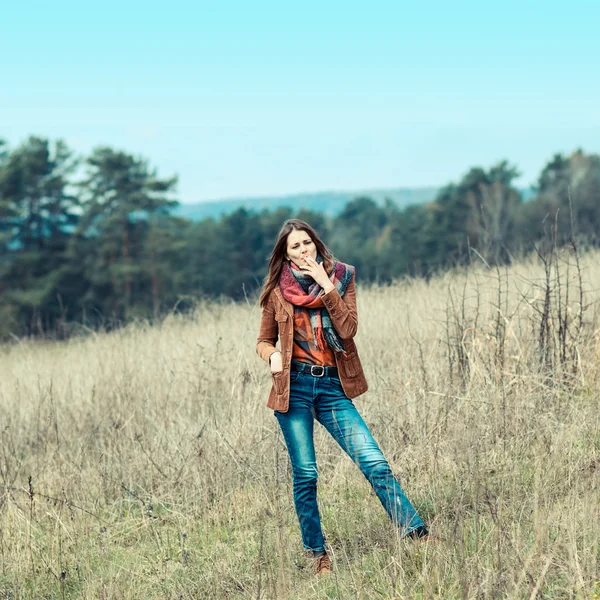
278	322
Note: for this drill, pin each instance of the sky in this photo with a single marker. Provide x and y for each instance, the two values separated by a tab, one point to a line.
244	99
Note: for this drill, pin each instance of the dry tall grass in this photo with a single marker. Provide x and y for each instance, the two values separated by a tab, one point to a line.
144	463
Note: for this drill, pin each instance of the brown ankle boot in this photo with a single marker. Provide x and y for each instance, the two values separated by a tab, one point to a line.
322	565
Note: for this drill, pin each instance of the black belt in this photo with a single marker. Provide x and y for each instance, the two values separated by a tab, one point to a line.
315	370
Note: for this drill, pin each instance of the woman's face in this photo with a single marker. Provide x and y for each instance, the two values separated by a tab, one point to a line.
299	247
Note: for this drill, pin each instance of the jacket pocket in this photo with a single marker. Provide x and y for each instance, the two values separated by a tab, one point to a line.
352	366
281	317
279	382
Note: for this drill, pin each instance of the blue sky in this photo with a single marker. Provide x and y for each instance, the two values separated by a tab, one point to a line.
260	98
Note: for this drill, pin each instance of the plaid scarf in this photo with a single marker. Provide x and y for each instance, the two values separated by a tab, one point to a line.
304	292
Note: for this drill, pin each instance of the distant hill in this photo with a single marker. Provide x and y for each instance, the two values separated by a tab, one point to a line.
330	203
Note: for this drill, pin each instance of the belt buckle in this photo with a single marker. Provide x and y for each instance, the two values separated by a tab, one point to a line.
312	370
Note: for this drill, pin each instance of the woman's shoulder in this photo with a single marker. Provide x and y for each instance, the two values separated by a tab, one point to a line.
272	299
344	271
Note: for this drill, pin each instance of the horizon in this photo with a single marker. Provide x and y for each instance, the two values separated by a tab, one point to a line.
270	101
341	192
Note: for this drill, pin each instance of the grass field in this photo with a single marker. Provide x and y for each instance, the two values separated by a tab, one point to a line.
144	464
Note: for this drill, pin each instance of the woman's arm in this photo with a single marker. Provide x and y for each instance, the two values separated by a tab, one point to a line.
268	334
342	310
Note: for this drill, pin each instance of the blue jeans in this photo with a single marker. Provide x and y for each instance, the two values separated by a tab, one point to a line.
323	399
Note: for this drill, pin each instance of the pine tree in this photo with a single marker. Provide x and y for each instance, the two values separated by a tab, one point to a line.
38	213
120	194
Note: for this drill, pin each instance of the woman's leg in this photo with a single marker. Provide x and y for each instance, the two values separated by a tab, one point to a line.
336	412
297	427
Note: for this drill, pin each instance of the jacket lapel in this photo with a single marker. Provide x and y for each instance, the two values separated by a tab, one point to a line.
288	306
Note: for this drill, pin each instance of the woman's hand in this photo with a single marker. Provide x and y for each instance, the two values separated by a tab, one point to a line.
276	362
317	272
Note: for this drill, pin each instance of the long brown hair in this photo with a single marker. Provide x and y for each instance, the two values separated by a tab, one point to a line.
277	257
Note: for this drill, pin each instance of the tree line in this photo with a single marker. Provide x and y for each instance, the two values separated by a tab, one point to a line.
89	242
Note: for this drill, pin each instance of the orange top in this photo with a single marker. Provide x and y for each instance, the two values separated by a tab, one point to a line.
305	348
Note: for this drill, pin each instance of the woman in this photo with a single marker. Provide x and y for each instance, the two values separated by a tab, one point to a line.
309	303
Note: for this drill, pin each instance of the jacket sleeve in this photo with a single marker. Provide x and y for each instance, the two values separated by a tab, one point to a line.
342	310
268	334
